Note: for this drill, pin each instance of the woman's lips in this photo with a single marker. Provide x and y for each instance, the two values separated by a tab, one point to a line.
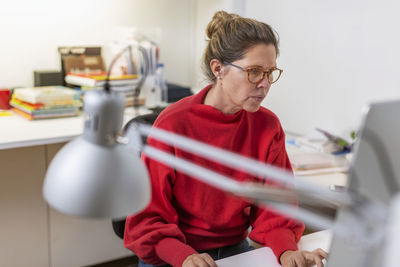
257	98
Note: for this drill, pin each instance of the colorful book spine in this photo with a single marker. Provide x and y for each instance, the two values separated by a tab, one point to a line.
42	116
95	81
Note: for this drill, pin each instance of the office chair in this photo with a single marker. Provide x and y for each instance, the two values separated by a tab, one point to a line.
119	224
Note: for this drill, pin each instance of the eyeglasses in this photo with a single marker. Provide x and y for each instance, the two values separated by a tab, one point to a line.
256	75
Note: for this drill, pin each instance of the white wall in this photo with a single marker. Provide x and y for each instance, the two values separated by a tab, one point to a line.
336	55
31	31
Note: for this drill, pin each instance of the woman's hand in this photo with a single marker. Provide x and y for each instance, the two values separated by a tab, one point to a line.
199	260
303	258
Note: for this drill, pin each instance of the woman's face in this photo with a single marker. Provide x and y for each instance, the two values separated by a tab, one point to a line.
238	91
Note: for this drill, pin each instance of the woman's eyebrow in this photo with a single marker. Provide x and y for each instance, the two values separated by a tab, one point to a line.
261	67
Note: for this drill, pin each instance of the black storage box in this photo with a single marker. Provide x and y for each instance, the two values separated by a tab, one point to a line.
177	92
47	78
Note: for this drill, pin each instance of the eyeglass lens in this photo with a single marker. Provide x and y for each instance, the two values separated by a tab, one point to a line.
256	75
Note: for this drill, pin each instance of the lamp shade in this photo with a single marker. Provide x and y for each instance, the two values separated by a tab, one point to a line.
95	176
89	180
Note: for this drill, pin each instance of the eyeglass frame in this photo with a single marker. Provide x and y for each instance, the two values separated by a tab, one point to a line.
268	72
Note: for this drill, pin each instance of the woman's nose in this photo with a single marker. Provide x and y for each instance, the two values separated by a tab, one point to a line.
264	83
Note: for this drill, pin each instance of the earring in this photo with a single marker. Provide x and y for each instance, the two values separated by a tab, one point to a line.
219	77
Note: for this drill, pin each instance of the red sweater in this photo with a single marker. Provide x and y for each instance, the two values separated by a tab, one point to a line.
186	215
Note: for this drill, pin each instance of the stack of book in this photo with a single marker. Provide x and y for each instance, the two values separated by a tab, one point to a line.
46	102
95	80
125	84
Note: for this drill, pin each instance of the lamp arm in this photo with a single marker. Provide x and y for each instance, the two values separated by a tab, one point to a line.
261	195
107	81
138	87
146	68
249	165
280	199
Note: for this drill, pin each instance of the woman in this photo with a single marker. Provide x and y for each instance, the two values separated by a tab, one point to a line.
189	223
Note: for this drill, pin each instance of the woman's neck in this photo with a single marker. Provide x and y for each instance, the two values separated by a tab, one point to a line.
216	98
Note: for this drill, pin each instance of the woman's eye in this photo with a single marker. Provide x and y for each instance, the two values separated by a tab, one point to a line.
255	72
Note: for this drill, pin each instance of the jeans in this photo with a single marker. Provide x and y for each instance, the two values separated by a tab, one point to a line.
216	253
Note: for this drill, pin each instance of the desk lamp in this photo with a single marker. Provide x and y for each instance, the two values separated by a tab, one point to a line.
100	175
92	175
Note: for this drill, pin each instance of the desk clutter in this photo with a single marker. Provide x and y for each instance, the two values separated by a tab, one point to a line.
60	93
329	154
83	69
123	84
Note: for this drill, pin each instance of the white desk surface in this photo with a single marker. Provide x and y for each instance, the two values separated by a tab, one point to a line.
16	131
264	257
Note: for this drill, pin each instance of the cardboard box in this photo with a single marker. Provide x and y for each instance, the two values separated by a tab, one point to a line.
80	59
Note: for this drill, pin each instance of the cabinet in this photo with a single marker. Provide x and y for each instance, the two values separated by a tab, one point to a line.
32	233
24	232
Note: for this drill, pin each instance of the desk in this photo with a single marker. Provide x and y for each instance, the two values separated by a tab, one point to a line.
263	257
31	233
17	131
323	178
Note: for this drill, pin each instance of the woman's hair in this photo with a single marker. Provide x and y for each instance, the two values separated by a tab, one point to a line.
231	36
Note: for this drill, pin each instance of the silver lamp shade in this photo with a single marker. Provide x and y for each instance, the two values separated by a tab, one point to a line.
93	176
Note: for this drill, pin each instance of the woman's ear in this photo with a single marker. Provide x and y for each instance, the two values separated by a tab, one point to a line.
217	68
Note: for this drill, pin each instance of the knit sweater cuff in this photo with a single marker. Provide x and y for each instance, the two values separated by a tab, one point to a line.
173	251
281	240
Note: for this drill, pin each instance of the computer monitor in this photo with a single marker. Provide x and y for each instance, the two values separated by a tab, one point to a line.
374	174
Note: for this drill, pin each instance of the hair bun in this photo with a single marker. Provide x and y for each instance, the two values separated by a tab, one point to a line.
218	20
